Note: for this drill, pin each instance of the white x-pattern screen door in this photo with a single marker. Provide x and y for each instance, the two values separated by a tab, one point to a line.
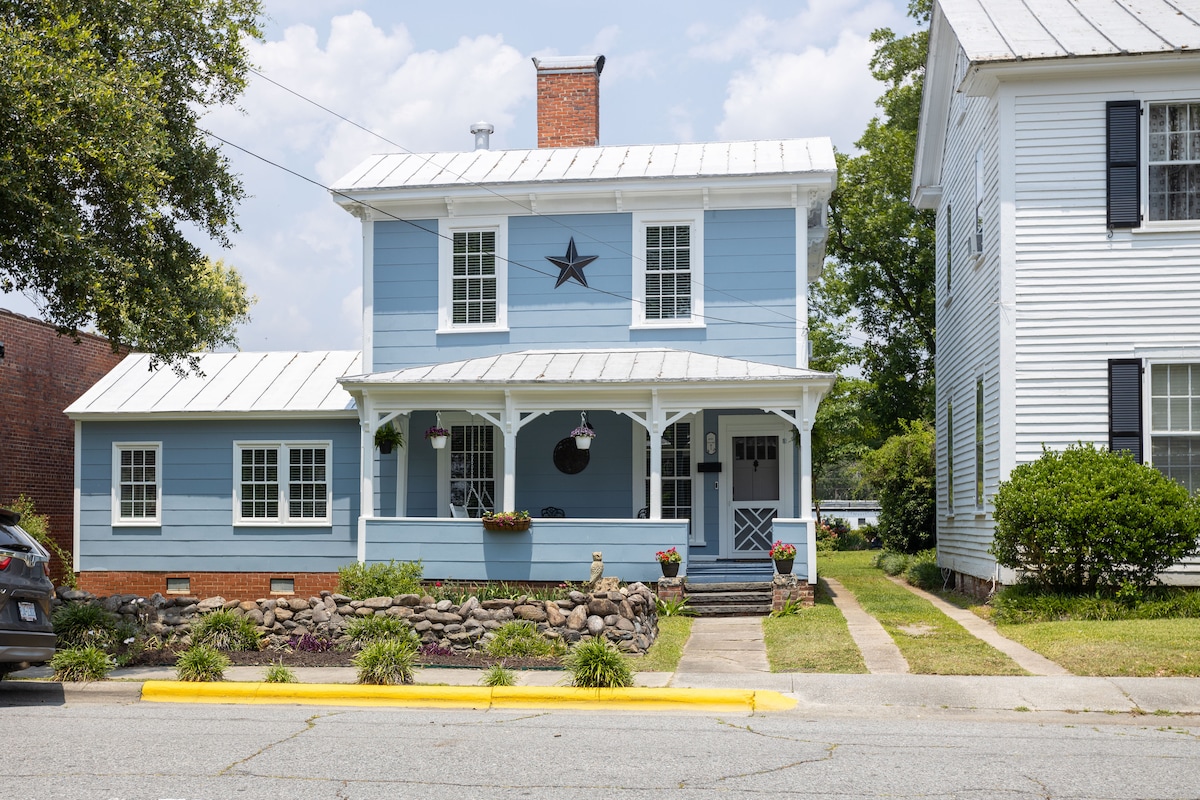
755	504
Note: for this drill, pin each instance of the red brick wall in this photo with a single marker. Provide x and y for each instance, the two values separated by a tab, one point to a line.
568	109
41	374
230	585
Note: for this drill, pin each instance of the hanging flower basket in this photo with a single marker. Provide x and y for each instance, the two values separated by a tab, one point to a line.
506	521
437	436
583	437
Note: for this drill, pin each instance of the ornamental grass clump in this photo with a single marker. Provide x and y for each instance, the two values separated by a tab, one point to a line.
375	628
201	663
596	664
82	624
1086	519
387	662
225	630
278	673
86	663
519	639
497	675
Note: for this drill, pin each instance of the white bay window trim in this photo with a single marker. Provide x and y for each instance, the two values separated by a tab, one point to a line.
642	223
304	488
447	228
138	467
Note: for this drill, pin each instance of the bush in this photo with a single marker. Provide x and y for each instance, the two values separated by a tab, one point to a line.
225	630
497	675
387	662
360	581
38	526
87	663
1085	518
518	639
310	643
674	607
902	473
596	664
82	624
925	575
376	628
1025	602
278	673
892	563
852	540
201	663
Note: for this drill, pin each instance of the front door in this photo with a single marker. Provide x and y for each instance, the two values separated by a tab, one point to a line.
757	489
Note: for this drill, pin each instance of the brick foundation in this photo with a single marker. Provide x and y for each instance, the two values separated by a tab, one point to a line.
244	585
971	585
670	589
789	588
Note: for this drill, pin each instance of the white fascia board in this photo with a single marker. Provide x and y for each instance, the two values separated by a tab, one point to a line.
935	111
197	416
983	78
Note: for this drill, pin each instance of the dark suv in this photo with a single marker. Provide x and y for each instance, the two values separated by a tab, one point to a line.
26	635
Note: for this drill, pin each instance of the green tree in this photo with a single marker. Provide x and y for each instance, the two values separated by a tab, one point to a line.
881	249
902	472
104	165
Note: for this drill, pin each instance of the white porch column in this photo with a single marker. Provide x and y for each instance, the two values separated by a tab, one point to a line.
807	414
510	427
654	423
401	423
366	491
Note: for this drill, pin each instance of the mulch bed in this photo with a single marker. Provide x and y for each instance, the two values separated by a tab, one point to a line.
339	658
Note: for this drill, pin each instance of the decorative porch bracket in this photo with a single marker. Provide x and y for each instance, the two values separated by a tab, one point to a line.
510	423
656	423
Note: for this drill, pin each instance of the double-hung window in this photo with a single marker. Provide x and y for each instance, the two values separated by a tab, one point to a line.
1173	164
1175	422
282	483
668	269
472	274
137	483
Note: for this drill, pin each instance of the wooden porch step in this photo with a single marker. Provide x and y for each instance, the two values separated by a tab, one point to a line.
743	610
731	599
740	586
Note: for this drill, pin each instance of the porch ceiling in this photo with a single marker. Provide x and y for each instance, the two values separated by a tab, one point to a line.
618	377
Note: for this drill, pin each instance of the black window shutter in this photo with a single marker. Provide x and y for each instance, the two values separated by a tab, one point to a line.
1125	406
1124	171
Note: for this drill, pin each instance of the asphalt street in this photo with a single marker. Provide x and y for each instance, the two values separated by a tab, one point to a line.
144	751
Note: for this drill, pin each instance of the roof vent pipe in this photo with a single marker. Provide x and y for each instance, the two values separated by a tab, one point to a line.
483	134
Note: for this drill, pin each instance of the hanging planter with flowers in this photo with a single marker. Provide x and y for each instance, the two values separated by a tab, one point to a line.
584	433
437	436
506	521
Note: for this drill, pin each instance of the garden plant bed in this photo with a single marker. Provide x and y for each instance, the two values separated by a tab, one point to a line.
341	658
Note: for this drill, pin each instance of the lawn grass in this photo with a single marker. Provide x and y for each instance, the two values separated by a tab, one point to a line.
932	643
1116	648
815	640
664	654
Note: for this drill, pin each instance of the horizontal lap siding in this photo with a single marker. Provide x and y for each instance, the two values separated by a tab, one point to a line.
602	490
1085	296
968	335
197	501
550	551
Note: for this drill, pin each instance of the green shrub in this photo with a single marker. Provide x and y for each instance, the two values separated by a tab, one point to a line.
1084	518
1025	602
201	663
82	624
790	608
518	639
278	673
675	607
497	675
596	664
925	575
225	630
360	581
892	563
851	540
387	662
902	473
87	663
375	628
38	526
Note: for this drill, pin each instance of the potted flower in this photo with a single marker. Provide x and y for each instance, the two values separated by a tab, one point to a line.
437	436
506	521
669	560
388	436
783	555
583	437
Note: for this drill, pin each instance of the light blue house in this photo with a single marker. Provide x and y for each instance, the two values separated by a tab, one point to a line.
655	294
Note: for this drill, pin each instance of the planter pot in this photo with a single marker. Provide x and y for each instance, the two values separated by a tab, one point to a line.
385	448
583	442
521	525
438	442
670	569
784	566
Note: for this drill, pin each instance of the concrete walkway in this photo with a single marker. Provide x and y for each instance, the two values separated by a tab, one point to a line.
879	651
724	645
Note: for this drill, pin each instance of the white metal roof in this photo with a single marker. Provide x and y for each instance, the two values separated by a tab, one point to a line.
267	383
612	162
1014	30
579	366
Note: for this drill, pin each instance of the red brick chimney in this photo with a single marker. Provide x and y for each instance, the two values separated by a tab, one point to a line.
568	100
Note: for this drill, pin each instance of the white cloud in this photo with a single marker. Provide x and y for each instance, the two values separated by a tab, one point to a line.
820	23
816	92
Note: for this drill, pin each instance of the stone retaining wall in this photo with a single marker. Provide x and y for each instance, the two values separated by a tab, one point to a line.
627	616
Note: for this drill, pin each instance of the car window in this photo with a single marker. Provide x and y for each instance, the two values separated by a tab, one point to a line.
13	538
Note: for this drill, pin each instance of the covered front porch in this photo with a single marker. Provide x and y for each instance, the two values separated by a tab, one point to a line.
705	454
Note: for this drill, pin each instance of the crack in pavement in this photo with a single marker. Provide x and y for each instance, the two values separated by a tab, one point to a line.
309	724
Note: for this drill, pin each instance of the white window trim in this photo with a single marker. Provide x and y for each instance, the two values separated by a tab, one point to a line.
283	520
643	220
1162	225
449	420
447	227
136	522
979	445
696	532
1147	399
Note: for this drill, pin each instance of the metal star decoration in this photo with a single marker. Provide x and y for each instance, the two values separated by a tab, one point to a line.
571	265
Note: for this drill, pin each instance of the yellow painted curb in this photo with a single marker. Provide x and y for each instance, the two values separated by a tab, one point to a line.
477	697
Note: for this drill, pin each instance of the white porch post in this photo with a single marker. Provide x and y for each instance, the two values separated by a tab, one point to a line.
510	427
366	491
401	423
807	414
655	425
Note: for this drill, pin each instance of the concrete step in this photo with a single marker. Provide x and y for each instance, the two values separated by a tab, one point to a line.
738	610
740	586
727	598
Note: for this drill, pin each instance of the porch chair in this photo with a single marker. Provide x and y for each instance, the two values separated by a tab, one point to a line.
553	512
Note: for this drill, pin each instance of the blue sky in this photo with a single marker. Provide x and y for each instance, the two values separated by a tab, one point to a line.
421	73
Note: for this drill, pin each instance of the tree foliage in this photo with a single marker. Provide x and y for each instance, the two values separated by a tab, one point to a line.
902	472
1085	518
881	249
104	165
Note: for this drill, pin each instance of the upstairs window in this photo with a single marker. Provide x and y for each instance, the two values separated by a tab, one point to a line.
668	270
137	484
473	275
1173	166
282	484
